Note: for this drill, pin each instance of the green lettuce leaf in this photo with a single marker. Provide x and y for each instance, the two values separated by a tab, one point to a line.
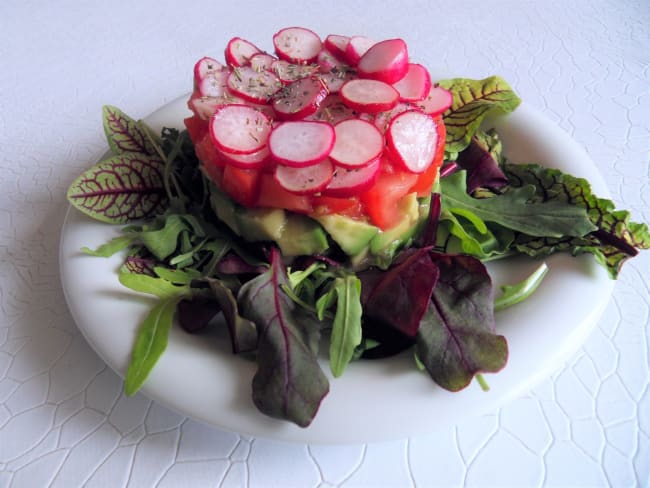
473	100
346	328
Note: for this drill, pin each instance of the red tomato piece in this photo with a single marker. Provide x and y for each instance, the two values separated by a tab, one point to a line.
207	153
196	128
241	184
324	205
271	194
381	202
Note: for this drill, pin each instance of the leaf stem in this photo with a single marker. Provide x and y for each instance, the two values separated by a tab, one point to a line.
482	383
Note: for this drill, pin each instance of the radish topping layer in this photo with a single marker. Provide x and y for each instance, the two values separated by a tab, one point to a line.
357	143
412	137
301	143
297	45
239	129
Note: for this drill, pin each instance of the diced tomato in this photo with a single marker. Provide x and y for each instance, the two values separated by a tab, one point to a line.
425	180
213	172
196	128
381	201
350	207
271	194
241	184
207	153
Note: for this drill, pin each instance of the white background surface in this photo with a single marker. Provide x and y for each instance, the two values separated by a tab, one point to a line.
63	418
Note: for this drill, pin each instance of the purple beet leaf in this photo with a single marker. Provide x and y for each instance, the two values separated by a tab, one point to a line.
457	337
399	296
125	135
480	159
120	189
195	313
289	383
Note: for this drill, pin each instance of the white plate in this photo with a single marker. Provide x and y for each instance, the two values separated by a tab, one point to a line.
374	400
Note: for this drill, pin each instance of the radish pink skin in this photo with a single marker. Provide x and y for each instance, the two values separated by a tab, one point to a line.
391	143
204	66
386	61
205	107
437	101
371	107
382	119
239	51
262	61
317	92
307	36
289	72
249	113
242	89
415	85
282	137
256	160
213	84
356	48
350	182
324	171
337	45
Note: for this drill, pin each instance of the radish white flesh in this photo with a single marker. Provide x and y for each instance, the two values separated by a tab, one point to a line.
301	143
437	101
254	160
239	51
415	85
299	99
412	137
370	96
239	129
351	182
290	72
305	181
337	45
213	83
386	61
204	66
254	86
205	107
333	110
382	119
297	45
356	48
327	61
357	143
337	77
262	61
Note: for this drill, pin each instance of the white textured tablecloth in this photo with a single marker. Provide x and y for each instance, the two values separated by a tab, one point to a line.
64	420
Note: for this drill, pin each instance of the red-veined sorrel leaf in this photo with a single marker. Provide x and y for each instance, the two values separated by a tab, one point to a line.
289	383
125	135
457	338
120	189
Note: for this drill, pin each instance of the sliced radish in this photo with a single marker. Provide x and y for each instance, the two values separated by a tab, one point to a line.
290	72
305	181
239	51
382	119
239	129
213	84
262	61
327	61
301	143
333	110
205	107
386	61
351	182
297	45
252	85
337	77
412	138
337	45
255	160
299	99
358	143
356	48
370	96
437	101
415	85
204	66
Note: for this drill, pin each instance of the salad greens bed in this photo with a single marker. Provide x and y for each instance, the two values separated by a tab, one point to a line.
435	297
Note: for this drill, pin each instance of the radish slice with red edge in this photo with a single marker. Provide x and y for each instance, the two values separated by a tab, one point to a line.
337	77
239	51
204	66
290	72
386	61
297	45
262	61
350	182
299	99
415	85
382	119
213	83
205	107
327	61
252	85
412	138
301	143
370	96
337	45
437	101
357	47
305	181
358	143
255	160
239	129
333	110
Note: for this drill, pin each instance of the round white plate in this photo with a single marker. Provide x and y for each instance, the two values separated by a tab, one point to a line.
198	375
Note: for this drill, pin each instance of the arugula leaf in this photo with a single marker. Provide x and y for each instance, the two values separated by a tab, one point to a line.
113	246
152	286
289	383
457	338
473	100
150	343
120	189
517	210
346	328
513	294
125	135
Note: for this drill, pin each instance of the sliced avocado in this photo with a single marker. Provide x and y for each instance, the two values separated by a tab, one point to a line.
352	235
302	236
224	207
261	224
386	243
